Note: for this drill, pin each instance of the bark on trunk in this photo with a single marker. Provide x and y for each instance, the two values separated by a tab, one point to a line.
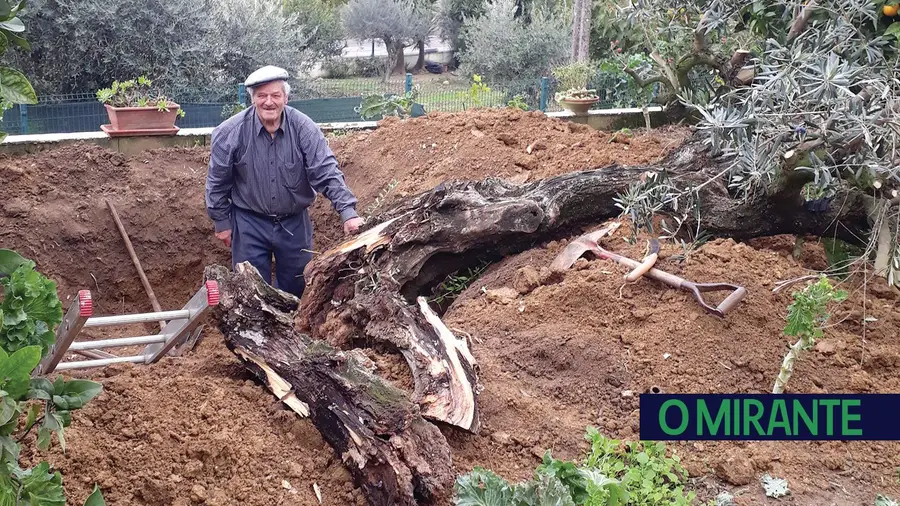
400	63
420	62
581	29
371	301
394	455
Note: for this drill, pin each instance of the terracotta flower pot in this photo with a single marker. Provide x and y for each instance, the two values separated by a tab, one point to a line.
141	121
578	105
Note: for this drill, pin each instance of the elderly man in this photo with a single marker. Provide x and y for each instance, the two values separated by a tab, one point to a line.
265	167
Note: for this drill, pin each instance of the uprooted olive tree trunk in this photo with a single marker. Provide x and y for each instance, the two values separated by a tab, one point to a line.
395	456
370	288
370	291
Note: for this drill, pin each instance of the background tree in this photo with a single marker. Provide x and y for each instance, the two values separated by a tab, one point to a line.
450	16
397	23
253	33
193	46
581	29
504	48
322	22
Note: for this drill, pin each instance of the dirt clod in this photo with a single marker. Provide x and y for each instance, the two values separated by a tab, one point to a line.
527	279
736	469
198	494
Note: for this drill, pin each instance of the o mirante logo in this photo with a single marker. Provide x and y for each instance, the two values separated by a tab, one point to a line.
769	417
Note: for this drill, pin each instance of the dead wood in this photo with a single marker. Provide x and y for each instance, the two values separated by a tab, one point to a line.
394	455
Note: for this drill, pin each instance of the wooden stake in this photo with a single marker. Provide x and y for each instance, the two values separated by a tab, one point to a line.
137	263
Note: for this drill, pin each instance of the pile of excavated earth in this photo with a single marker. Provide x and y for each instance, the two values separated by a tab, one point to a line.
555	357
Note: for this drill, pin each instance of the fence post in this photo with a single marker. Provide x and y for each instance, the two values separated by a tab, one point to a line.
545	87
408	85
23	119
242	94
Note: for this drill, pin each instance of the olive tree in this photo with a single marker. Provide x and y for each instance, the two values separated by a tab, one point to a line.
397	23
449	17
503	47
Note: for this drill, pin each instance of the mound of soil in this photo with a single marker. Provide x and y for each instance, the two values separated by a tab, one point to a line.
558	357
554	358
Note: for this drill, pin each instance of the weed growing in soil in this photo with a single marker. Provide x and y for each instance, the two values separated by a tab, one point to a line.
456	283
806	317
612	474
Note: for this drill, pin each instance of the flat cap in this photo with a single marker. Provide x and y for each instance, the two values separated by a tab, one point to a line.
266	74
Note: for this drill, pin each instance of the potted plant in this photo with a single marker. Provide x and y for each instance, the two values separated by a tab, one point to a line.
135	108
573	79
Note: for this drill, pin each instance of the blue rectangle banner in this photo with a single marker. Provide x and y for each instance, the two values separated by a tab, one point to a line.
776	417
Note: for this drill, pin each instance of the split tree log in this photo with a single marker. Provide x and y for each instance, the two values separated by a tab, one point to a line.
394	455
370	289
443	368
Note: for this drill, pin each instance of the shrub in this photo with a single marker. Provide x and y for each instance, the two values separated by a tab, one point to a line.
503	48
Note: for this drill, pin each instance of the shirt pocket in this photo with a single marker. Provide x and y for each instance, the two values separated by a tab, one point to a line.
293	174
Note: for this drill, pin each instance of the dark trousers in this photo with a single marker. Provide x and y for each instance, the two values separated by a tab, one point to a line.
256	238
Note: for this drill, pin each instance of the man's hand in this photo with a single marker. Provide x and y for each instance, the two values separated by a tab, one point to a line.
225	237
352	225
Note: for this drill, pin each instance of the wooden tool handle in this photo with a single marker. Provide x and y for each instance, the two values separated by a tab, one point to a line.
732	300
669	279
137	263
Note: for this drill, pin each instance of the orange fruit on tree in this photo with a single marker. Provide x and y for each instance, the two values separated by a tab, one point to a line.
890	10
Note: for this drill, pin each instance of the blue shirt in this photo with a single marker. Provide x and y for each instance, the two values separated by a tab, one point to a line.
279	175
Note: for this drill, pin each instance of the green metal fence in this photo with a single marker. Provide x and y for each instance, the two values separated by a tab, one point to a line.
324	100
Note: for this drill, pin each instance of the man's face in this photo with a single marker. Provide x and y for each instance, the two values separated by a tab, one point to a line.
269	100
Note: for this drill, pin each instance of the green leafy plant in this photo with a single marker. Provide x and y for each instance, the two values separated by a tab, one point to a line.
573	80
229	110
473	95
611	474
378	104
30	308
806	317
29	312
9	261
646	473
136	93
14	86
574	75
518	102
456	282
883	500
43	402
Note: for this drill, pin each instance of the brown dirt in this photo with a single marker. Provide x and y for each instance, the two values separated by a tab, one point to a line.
196	428
558	357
